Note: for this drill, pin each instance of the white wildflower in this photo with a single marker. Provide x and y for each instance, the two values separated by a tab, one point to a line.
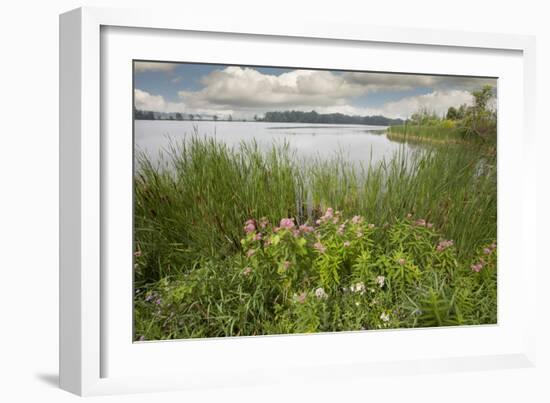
320	293
358	288
385	317
380	280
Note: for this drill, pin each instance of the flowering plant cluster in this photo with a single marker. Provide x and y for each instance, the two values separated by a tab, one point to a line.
337	273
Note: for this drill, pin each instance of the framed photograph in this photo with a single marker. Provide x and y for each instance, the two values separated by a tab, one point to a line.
238	208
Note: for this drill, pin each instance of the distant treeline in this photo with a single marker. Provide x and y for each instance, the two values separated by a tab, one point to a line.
335	118
285	116
150	115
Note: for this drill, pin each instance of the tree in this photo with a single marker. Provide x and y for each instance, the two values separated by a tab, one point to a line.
461	112
424	117
482	97
480	119
230	118
215	117
452	113
330	118
191	116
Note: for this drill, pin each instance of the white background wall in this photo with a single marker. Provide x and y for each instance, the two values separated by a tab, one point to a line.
29	187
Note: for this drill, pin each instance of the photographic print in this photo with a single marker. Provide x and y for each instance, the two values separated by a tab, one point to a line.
284	200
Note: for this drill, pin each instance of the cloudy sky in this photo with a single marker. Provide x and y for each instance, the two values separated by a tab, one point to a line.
247	91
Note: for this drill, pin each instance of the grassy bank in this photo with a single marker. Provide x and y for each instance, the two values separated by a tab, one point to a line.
191	251
431	134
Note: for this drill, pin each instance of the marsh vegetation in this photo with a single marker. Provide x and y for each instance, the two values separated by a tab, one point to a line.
243	240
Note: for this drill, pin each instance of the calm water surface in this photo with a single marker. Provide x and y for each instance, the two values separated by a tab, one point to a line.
359	144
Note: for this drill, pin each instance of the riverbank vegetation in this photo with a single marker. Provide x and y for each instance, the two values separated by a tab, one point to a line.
473	124
238	241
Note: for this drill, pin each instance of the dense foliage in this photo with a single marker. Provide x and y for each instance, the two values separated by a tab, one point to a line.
341	274
241	242
475	123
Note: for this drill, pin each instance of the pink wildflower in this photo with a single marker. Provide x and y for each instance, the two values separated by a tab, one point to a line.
137	253
287	223
263	222
320	247
444	244
357	219
420	222
429	225
249	226
401	261
476	267
257	237
371	226
487	251
286	264
341	229
359	234
247	271
306	228
301	298
346	244
329	214
250	253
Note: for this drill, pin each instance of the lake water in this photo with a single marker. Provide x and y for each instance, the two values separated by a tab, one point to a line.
359	144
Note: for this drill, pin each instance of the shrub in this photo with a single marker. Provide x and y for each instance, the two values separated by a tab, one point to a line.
337	273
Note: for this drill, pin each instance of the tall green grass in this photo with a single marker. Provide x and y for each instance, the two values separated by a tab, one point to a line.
197	207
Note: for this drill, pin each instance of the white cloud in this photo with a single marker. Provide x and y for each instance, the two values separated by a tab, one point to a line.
248	88
437	101
147	102
140	67
245	92
248	91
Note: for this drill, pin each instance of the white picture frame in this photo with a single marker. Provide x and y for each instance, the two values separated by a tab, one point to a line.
90	347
